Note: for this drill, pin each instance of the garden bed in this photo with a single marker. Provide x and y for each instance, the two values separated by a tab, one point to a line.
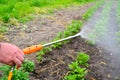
54	65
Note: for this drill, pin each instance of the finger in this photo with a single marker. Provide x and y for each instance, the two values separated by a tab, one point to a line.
19	56
11	64
17	62
21	52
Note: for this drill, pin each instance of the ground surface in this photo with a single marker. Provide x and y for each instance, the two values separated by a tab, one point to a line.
43	28
54	65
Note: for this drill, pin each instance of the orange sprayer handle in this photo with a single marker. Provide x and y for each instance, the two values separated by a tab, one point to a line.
28	50
10	75
32	49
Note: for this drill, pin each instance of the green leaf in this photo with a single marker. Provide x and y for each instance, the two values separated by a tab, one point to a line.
28	66
71	77
83	58
73	65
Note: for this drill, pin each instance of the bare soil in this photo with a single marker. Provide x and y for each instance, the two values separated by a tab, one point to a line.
54	65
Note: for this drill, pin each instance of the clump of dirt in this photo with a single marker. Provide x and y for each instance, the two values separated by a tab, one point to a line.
54	65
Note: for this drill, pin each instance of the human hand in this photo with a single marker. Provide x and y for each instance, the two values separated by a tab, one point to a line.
11	54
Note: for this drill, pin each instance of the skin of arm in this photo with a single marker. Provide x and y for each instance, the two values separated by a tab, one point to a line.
11	54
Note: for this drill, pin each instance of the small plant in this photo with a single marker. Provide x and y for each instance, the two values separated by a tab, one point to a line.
74	27
77	72
28	66
90	12
73	65
18	74
42	52
57	45
60	35
83	58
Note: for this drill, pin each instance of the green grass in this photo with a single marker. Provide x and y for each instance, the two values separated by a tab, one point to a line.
21	10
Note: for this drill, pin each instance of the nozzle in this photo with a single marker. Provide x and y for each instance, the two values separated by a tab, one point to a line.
11	73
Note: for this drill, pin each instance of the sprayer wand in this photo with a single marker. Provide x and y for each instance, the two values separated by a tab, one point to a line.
36	48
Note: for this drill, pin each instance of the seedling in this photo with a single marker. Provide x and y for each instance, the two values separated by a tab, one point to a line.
57	45
77	72
90	12
73	65
18	74
42	52
28	66
82	59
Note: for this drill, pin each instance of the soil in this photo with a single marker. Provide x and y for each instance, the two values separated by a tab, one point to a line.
54	65
43	28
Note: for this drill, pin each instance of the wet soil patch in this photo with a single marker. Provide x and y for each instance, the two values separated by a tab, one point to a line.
54	65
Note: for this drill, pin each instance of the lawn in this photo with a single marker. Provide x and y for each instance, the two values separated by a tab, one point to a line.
23	10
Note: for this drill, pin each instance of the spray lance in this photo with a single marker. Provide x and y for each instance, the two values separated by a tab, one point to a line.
36	48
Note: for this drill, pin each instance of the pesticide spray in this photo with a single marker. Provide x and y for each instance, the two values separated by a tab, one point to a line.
101	29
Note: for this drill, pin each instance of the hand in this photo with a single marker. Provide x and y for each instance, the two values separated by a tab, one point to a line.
11	54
